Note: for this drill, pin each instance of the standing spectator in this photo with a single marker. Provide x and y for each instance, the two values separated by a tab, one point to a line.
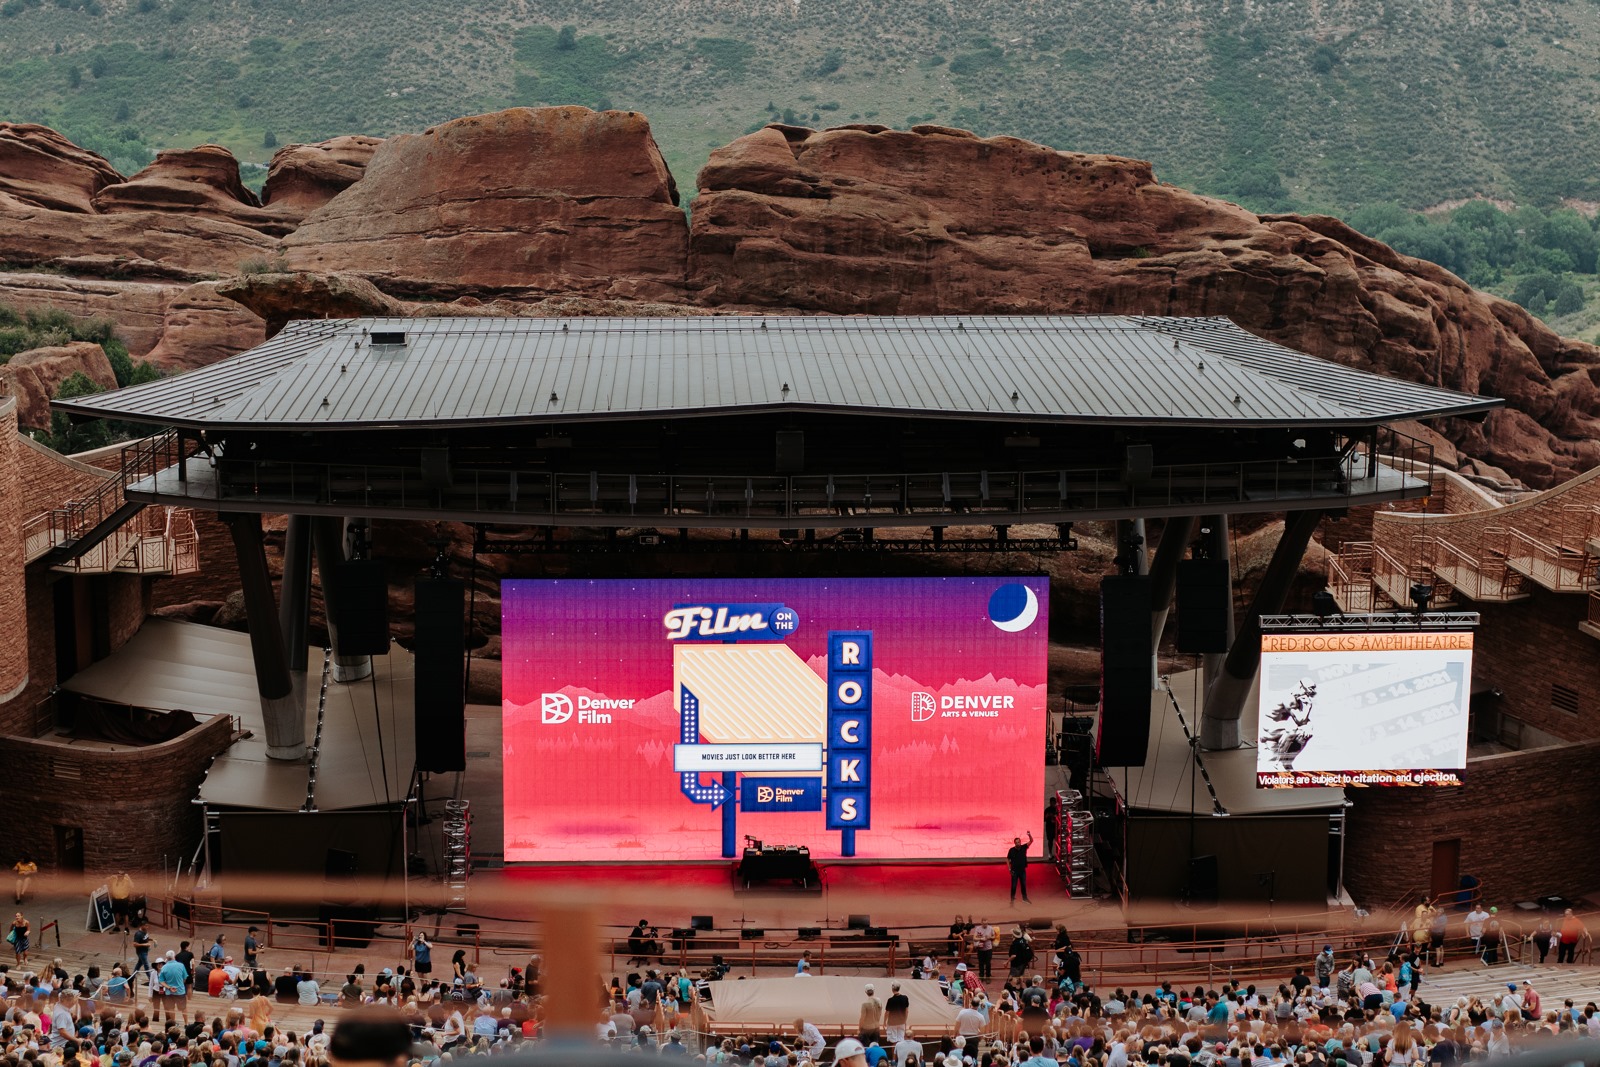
1020	952
983	942
1017	861
896	1012
1475	920
1572	932
251	947
21	928
422	955
174	979
871	1016
1324	967
1491	938
26	868
142	944
1542	935
120	887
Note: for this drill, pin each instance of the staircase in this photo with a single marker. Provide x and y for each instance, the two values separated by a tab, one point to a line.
106	533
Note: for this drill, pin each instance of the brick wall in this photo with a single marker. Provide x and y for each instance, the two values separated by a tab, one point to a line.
1523	829
1524	648
133	804
13	601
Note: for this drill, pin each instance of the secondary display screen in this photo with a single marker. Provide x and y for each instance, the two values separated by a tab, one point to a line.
1357	709
884	718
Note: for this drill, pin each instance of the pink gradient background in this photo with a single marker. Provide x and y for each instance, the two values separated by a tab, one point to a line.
948	788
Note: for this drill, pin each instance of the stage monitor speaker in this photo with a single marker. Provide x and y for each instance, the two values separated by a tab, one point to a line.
440	682
1125	666
754	933
360	607
876	933
1203	880
1205	602
808	933
682	933
701	922
858	922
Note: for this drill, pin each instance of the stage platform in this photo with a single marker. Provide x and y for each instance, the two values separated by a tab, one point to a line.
895	893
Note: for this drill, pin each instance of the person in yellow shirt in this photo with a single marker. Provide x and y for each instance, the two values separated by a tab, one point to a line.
120	888
26	869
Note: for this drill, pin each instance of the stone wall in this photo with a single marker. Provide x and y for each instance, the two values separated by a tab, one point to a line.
1522	825
13	601
1527	648
132	804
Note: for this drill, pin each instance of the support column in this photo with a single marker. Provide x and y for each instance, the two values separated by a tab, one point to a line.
294	600
1164	573
1219	724
284	718
1217	545
331	536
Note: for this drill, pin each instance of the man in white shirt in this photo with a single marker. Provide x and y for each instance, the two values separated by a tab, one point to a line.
1475	920
969	1021
905	1048
811	1038
1511	1003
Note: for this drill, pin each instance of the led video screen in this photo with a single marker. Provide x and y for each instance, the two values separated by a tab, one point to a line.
1360	709
665	720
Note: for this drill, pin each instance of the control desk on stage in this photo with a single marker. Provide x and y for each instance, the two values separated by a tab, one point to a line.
775	863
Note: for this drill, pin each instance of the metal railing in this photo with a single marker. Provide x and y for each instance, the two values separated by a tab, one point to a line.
1558	568
734	497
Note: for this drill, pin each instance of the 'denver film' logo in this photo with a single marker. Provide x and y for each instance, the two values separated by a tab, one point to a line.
557	708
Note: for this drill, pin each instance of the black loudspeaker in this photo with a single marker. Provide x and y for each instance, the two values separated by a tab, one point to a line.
1125	652
791	452
700	922
348	926
808	933
440	683
1203	880
360	607
1205	601
436	468
858	922
340	865
752	933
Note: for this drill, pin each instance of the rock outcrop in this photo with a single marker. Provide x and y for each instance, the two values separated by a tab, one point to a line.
34	376
176	326
570	211
40	168
303	177
862	219
524	202
198	182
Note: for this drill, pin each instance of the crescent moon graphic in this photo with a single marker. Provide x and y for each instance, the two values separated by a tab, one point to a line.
1025	617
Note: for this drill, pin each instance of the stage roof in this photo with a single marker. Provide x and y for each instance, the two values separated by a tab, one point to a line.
458	372
205	670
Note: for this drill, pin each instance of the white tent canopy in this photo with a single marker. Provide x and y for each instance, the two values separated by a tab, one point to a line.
825	1000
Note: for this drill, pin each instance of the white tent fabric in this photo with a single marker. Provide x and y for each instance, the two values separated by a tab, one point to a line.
825	1000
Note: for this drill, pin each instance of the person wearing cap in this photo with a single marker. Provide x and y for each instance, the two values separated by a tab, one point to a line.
850	1053
871	1017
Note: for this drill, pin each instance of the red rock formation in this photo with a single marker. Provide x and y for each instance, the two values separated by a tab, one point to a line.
303	177
197	182
866	220
553	200
175	326
34	376
41	168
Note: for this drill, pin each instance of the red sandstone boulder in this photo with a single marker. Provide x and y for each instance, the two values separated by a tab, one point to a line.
174	325
303	177
41	168
34	376
201	182
143	245
520	202
867	220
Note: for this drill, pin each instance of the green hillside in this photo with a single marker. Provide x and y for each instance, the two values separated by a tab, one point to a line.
1331	104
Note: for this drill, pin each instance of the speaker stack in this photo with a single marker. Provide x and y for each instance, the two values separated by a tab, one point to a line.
360	607
1205	602
1125	654
440	683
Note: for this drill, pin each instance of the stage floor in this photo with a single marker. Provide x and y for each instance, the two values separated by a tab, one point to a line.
897	894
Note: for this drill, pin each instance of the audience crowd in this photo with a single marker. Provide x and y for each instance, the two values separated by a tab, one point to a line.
186	1009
